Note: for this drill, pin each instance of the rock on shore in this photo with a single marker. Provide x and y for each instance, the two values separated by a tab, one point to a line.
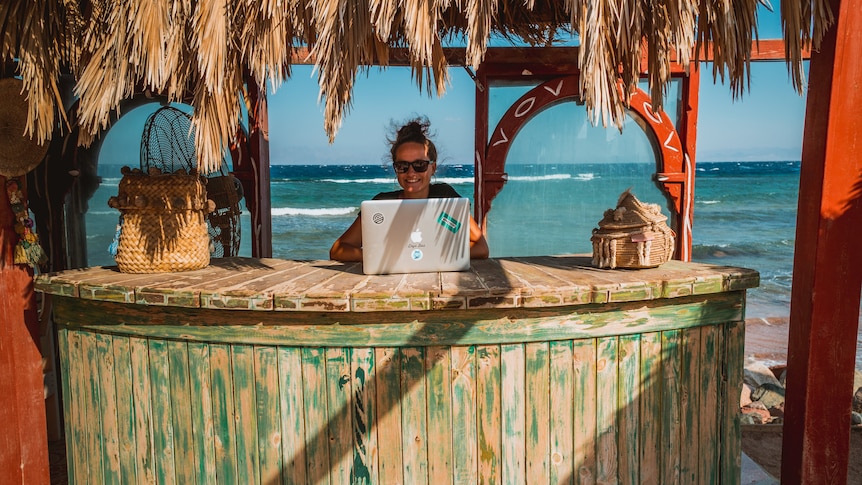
762	397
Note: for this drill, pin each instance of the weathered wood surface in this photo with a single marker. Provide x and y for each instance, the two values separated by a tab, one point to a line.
23	435
23	428
493	326
606	410
617	377
272	284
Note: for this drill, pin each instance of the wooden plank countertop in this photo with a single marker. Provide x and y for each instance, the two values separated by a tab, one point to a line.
328	286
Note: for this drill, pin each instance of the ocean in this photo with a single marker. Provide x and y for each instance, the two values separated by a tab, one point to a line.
744	212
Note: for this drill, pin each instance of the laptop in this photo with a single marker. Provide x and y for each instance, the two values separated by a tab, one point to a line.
415	235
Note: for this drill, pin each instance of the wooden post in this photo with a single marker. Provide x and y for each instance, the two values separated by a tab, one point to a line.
827	271
250	156
688	135
480	121
23	431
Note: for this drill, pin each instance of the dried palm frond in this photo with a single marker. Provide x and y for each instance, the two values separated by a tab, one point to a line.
108	76
34	32
480	14
344	42
178	49
216	115
210	41
382	15
149	28
598	62
729	27
266	40
804	23
210	47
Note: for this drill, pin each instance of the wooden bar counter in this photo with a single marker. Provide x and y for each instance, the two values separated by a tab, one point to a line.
521	370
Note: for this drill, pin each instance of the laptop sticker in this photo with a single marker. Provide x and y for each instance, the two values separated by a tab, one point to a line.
449	222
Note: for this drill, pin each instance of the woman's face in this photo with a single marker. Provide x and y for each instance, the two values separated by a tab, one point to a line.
415	184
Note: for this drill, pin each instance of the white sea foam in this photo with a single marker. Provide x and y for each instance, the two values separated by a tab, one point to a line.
454	180
585	177
707	202
376	180
301	211
391	180
537	178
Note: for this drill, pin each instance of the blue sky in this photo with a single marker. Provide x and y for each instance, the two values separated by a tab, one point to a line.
764	124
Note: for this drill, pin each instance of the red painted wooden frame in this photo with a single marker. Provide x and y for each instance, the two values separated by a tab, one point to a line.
674	167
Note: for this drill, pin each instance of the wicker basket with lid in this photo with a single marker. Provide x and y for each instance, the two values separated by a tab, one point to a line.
634	235
163	222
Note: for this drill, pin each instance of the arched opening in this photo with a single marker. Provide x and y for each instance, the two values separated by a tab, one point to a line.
563	172
138	139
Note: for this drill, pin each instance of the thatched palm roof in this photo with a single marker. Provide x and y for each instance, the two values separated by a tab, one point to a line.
173	47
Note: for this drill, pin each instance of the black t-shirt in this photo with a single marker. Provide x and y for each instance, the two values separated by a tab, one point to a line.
435	191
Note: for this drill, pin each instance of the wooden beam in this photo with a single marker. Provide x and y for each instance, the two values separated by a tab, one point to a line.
827	271
772	50
24	438
762	50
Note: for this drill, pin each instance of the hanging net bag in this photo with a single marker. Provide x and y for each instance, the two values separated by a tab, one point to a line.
171	217
168	145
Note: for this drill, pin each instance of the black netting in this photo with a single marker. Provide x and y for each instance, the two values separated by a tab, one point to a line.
168	145
169	141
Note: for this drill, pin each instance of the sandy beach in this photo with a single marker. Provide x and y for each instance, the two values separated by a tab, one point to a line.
766	340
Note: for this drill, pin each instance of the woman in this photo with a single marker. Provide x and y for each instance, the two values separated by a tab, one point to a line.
414	158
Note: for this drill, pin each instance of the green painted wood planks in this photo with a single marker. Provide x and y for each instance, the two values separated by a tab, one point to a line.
645	408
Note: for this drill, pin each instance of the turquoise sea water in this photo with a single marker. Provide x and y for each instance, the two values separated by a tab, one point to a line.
744	212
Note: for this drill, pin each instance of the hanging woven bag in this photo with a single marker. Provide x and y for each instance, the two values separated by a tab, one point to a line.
163	222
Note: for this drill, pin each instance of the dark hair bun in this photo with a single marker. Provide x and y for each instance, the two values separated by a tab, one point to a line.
415	130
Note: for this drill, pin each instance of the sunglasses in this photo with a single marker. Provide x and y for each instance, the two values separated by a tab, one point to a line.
419	166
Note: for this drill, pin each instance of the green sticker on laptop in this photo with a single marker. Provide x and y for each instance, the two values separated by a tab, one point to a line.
449	222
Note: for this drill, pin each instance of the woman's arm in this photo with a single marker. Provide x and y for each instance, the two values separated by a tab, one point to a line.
478	243
348	247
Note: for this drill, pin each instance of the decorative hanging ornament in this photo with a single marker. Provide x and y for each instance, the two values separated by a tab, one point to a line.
28	250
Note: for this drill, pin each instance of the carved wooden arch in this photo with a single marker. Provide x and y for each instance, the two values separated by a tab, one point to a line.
674	171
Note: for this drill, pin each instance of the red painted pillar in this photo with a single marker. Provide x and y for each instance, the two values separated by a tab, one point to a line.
251	166
827	271
480	123
23	429
688	135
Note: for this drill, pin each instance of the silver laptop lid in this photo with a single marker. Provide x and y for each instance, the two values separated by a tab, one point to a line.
415	235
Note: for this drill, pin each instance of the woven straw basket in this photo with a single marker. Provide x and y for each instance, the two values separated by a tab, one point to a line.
163	222
634	235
